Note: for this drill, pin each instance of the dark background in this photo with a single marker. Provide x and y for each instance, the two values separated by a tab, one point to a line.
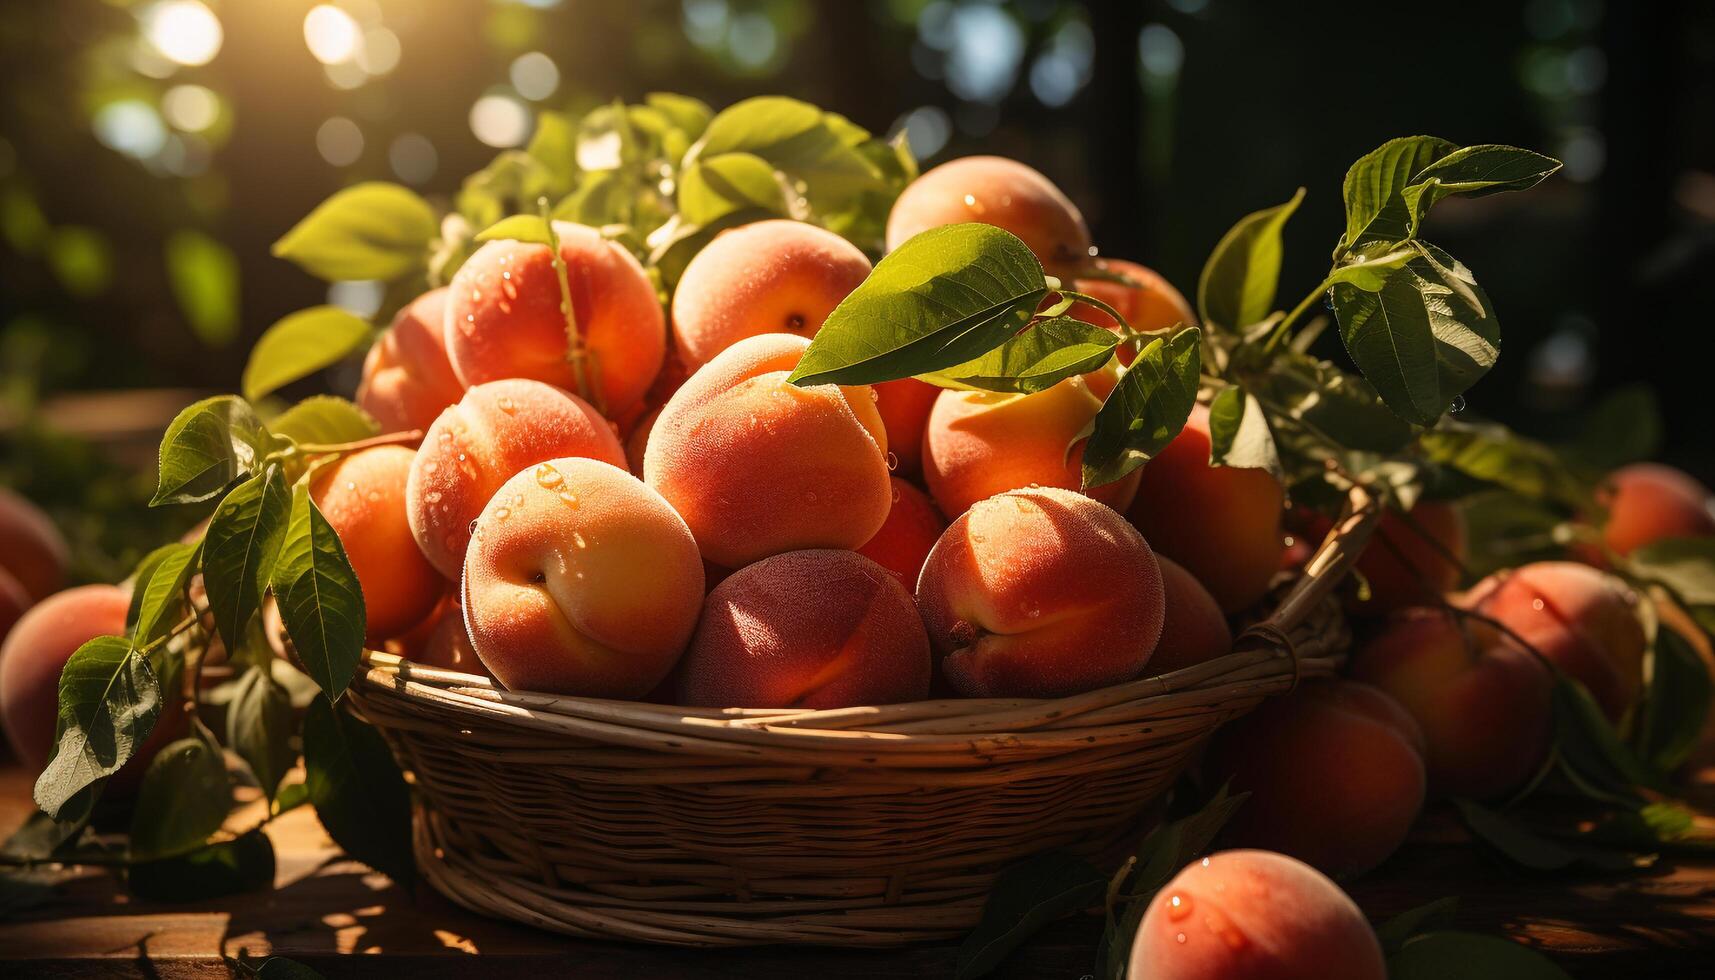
1165	121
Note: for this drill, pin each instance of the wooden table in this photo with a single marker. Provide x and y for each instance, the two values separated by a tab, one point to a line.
1657	924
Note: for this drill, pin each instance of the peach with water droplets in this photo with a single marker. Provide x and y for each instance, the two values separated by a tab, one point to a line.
407	379
912	527
1000	192
363	497
905	405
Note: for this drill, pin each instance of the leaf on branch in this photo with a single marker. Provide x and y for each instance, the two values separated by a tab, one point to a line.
714	187
240	548
1591	749
320	600
1045	354
299	345
1684	566
357	790
1531	850
108	702
185	798
1469	956
1238	283
1341	406
1026	897
367	231
1495	454
1239	434
530	228
1375	210
259	726
324	420
1676	703
1473	171
206	447
163	595
809	145
1146	409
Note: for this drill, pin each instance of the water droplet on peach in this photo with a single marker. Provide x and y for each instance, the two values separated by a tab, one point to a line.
1178	907
893	464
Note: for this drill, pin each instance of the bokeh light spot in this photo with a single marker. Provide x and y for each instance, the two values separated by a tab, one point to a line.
191	108
339	141
535	75
130	126
413	158
331	34
500	121
184	31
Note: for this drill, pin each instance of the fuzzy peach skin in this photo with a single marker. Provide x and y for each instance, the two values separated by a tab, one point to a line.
757	466
913	526
1648	502
905	405
580	580
807	629
1254	915
1000	192
981	443
1223	523
1041	593
407	378
1148	301
505	320
1335	772
31	547
1482	701
777	276
1194	630
1583	620
363	497
1412	559
638	441
494	431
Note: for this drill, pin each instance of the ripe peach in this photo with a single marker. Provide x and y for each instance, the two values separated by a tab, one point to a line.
1194	630
1581	619
913	525
1254	915
1041	593
448	645
810	629
494	431
638	441
31	547
1148	302
407	379
757	466
580	580
363	497
777	276
1648	502
505	317
904	406
14	602
981	443
1370	752
1000	192
1481	700
1223	523
1413	559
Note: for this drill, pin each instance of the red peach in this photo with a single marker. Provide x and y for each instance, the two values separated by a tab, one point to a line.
1648	502
31	547
904	406
407	379
1413	559
363	497
1000	192
1194	630
912	527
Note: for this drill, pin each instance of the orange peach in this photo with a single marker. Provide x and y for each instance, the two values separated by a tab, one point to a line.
905	405
407	379
1648	502
777	276
580	580
757	466
506	317
494	431
638	441
448	645
363	497
1412	559
1194	630
1582	620
1223	523
913	526
1147	301
807	629
1041	593
1000	192
31	547
1481	700
1254	915
982	443
1369	752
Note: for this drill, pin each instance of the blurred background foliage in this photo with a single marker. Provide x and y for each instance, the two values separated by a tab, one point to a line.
151	150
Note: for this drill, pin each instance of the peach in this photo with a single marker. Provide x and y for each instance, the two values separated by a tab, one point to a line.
1000	192
581	580
807	629
448	644
407	379
913	526
1254	915
1223	523
638	441
1648	502
1194	629
14	602
1413	559
506	318
31	547
757	466
363	497
777	276
1582	620
494	431
1335	772
1041	593
905	405
981	443
1148	302
1482	701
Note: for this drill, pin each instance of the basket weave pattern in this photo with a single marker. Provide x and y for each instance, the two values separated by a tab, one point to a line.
853	827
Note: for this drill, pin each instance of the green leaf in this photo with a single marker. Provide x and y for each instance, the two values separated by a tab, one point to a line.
185	798
164	593
690	115
240	548
1473	171
1342	406
1375	209
1423	338
554	146
140	578
1238	283
1045	354
259	724
359	795
1624	427
1239	434
793	136
108	702
324	420
1146	409
1685	566
366	231
299	345
206	447
281	968
947	296
320	600
511	183
1528	849
203	275
1590	747
601	197
1497	455
42	838
1676	703
1395	932
1171	846
1369	269
1469	956
714	187
244	864
518	228
1026	897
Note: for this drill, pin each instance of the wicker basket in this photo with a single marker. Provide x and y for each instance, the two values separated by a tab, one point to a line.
856	827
